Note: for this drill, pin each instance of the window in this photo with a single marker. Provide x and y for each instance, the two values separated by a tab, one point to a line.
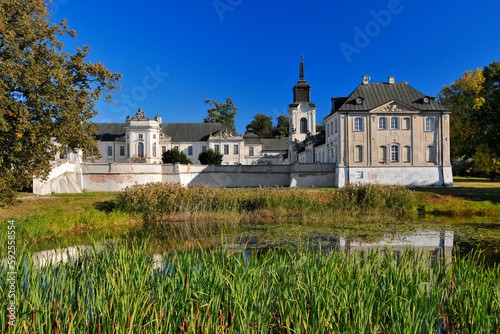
163	149
358	153
110	150
358	124
203	148
382	154
250	151
430	155
303	125
407	154
226	149
236	149
328	129
406	123
154	149
394	153
122	151
176	148
382	123
141	136
429	124
335	126
140	150
190	150
334	154
154	136
217	149
394	123
128	150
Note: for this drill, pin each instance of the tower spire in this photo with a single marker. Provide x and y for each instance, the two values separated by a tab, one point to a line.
301	71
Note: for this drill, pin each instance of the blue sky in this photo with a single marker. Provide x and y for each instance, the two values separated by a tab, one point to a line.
175	54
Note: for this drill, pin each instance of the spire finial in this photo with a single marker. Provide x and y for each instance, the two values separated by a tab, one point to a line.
301	71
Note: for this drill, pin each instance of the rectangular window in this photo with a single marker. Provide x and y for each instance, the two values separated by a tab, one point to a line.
358	124
358	153
429	124
163	149
190	150
394	153
406	123
382	154
226	149
236	149
394	123
122	151
407	154
250	151
430	154
110	150
382	123
176	147
217	149
203	148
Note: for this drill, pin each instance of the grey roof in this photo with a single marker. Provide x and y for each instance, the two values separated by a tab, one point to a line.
109	131
377	94
177	131
191	131
275	144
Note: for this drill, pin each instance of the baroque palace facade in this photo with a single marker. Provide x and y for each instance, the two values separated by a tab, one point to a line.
388	133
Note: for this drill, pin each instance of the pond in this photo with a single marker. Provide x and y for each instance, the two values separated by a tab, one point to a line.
449	236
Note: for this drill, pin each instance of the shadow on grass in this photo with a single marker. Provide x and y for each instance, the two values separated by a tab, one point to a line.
106	206
468	193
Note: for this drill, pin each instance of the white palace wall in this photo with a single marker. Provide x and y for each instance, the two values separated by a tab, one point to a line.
118	176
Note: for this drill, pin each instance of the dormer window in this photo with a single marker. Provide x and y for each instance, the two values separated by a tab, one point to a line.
359	101
426	100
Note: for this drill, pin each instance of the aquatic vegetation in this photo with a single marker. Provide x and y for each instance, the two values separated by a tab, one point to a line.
156	199
122	288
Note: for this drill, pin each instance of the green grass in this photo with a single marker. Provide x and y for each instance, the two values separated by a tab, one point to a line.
469	197
281	291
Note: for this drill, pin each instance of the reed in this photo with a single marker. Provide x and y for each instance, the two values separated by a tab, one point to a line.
118	289
154	200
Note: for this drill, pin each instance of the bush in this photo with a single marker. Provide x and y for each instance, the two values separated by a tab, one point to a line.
210	157
173	156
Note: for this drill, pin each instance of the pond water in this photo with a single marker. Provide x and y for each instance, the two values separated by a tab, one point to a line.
447	236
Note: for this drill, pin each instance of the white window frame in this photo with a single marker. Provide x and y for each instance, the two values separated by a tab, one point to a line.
190	150
110	151
251	151
394	123
394	153
358	153
358	124
429	124
236	149
226	148
384	121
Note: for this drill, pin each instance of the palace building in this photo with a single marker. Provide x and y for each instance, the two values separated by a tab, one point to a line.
383	132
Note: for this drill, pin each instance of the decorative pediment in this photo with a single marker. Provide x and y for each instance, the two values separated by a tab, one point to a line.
224	134
164	136
394	107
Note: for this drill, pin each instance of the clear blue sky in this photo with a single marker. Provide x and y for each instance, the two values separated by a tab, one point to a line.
175	54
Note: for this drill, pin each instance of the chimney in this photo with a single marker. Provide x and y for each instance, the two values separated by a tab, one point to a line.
390	80
366	79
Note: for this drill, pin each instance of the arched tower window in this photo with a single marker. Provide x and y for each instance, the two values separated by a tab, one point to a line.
303	125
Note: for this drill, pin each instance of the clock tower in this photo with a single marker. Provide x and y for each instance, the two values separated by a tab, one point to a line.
302	112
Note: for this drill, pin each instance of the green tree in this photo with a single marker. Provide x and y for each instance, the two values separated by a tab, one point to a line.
222	113
282	128
474	100
210	157
464	98
174	155
46	95
262	125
